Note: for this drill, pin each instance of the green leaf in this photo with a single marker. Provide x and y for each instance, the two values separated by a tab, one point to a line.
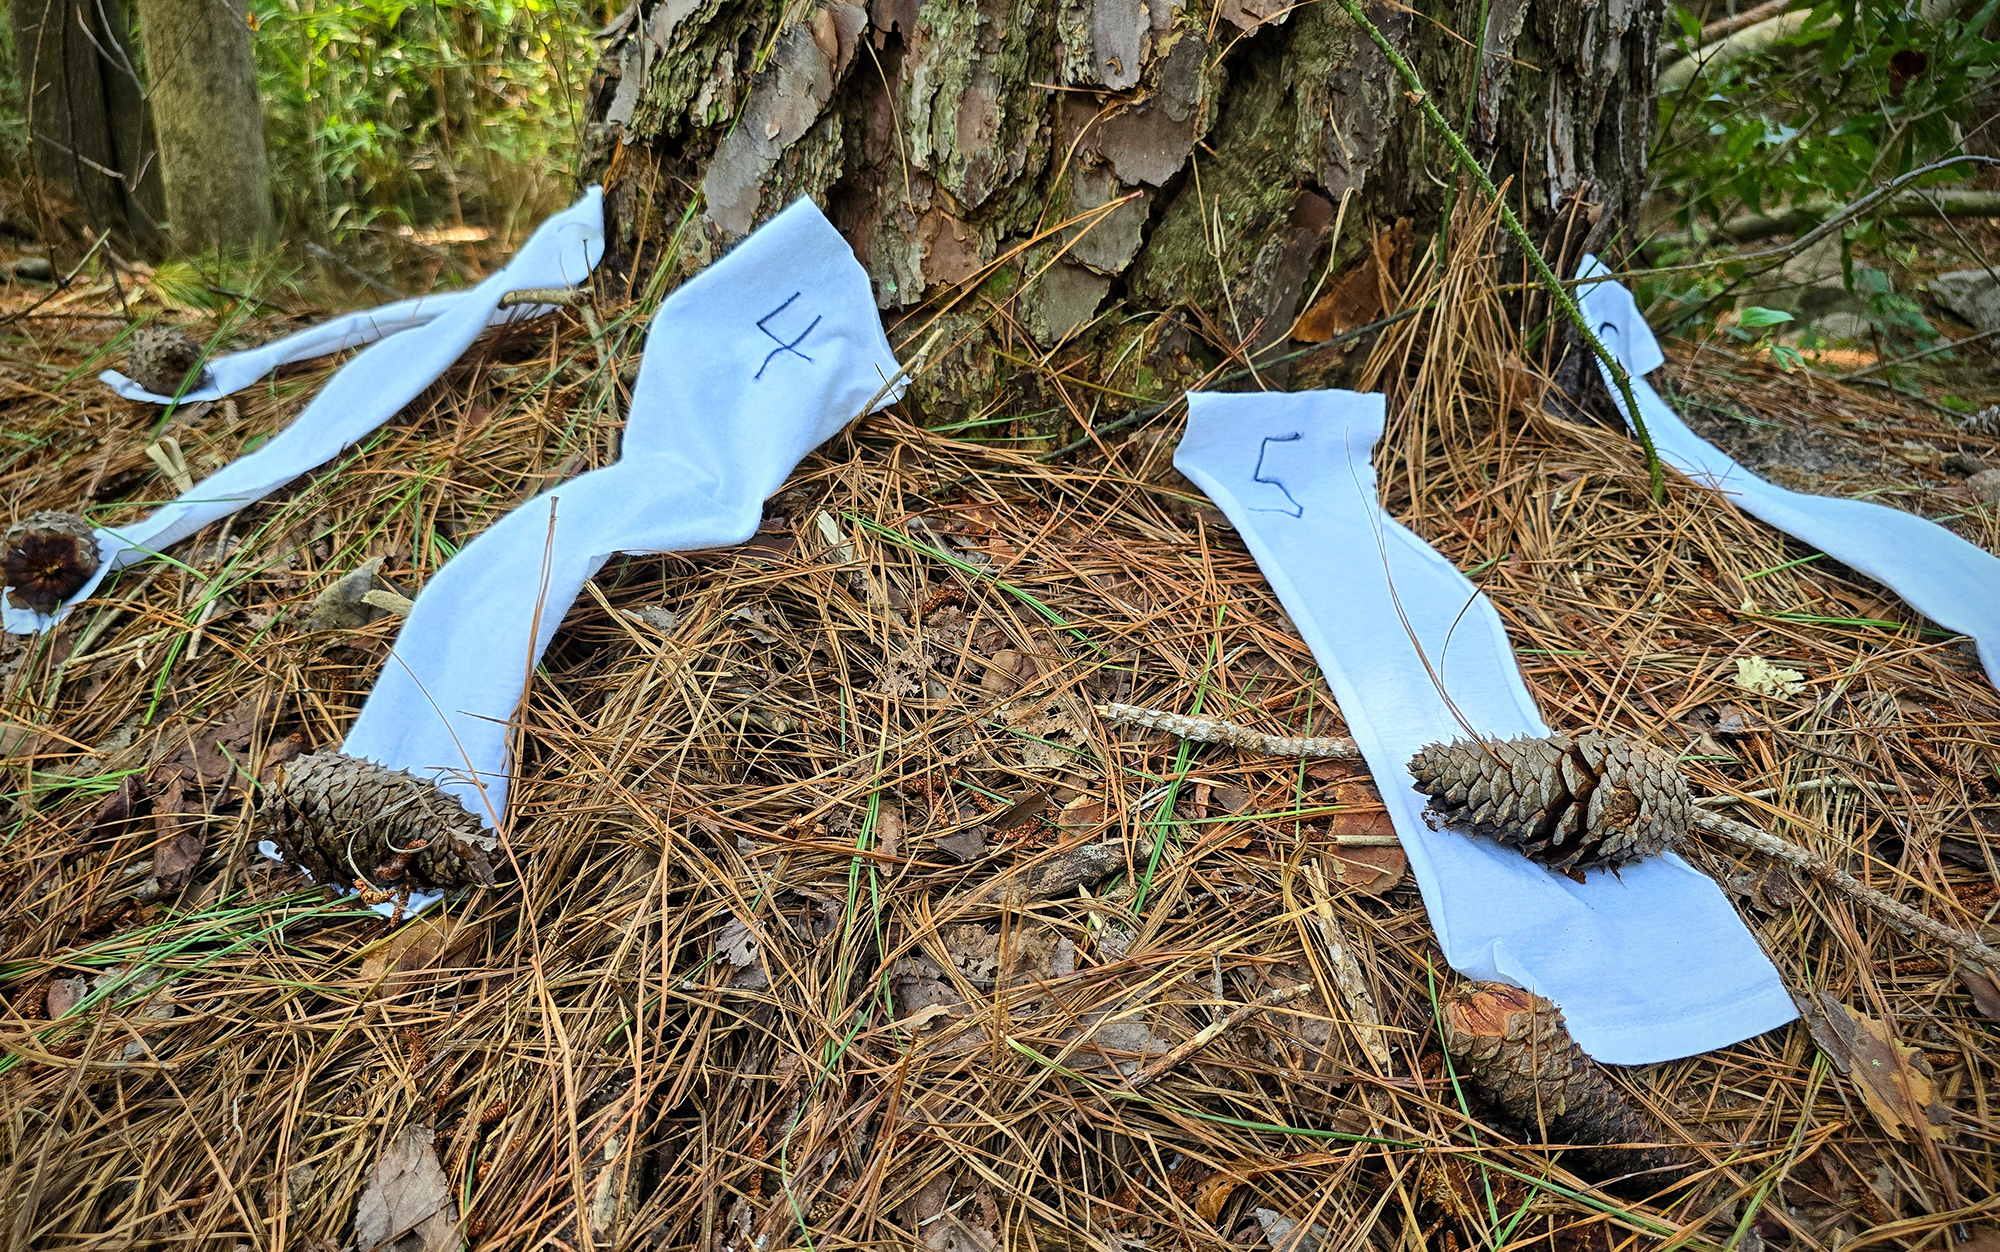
1755	316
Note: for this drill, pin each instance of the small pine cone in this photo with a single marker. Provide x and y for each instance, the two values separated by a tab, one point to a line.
1514	1048
344	820
47	558
1574	803
161	358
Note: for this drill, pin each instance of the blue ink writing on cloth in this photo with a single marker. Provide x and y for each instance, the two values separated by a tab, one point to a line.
792	347
1257	475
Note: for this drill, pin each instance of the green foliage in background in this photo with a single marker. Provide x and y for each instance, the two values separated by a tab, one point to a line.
1866	90
381	112
1862	92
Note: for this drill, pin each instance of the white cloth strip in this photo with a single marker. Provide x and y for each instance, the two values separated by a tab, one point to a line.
236	370
363	394
1647	965
748	367
1939	574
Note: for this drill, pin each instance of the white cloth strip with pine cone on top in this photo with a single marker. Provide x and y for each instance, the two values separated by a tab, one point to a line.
748	367
1649	963
428	336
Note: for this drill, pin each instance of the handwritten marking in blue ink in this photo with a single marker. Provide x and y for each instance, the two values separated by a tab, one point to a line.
792	347
1257	475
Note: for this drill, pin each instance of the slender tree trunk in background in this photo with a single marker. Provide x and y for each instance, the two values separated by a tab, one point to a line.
963	147
86	113
210	120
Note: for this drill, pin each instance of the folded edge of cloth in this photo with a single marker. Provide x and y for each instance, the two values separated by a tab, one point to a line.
748	367
361	395
1649	965
1939	574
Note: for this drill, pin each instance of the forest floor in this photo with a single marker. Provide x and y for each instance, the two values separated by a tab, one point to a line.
802	937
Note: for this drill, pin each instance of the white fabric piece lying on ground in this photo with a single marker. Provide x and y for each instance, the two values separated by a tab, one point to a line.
363	394
1940	575
1647	965
237	370
748	367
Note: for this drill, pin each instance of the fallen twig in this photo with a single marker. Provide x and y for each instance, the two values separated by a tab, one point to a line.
568	297
1750	227
1818	867
1811	784
1214	1030
1209	730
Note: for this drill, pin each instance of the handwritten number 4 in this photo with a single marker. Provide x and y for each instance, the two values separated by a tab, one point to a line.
792	347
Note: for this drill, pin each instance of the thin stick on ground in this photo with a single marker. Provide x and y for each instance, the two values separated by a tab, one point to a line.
1215	1030
1820	868
1211	730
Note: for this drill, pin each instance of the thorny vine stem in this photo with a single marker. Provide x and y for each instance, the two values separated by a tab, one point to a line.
1554	286
1811	864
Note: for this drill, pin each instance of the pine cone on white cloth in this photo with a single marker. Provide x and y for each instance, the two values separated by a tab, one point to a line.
352	822
46	558
161	358
1571	802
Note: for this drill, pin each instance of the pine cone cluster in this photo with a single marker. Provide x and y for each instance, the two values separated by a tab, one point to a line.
348	821
161	358
1571	802
1519	1056
47	557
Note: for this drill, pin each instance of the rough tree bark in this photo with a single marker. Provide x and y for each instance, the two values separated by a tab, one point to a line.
210	121
1134	185
86	112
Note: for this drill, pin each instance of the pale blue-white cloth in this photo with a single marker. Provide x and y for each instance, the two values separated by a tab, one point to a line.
1939	574
1648	965
748	367
363	394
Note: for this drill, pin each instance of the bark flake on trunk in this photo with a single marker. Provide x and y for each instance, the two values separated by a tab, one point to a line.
1139	186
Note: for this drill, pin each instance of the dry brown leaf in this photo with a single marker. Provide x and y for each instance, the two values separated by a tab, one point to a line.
65	994
1083	813
174	861
1893	1079
1020	811
1371	871
1353	299
406	1205
1983	987
417	945
1213	1192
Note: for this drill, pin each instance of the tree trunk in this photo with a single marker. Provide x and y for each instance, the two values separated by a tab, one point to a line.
86	112
211	123
1130	190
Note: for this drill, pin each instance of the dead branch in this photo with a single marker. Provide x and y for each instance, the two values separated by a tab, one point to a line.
1819	868
1210	730
1214	1030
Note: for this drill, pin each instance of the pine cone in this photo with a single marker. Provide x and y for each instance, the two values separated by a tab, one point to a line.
161	358
1576	803
47	557
344	820
1514	1048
